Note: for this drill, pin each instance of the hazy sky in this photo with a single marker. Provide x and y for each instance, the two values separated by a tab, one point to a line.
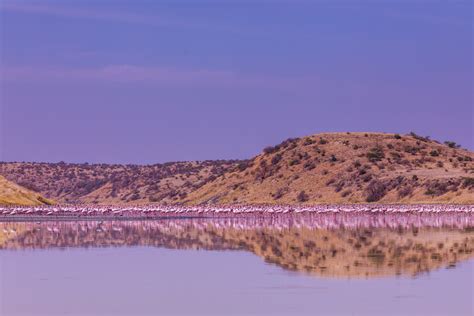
154	81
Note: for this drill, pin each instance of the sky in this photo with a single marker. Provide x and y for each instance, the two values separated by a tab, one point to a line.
153	81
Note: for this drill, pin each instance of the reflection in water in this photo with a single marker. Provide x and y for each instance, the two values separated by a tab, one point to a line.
333	245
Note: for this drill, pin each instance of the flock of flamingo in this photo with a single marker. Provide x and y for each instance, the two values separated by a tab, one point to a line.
159	211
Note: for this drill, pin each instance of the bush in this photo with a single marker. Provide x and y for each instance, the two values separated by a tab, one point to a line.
308	141
375	154
420	138
397	136
468	182
271	149
288	142
434	153
293	162
323	141
346	193
279	193
302	197
411	149
276	159
375	191
135	197
405	191
451	144
243	165
436	188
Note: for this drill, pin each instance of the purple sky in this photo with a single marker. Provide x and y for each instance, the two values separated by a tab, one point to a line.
155	81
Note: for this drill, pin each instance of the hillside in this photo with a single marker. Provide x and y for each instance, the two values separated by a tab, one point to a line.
348	168
11	193
114	184
323	168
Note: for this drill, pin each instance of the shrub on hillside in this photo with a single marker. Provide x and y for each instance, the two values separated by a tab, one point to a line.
436	188
405	191
468	182
308	141
434	153
271	149
451	144
276	159
375	154
243	165
375	191
411	149
323	141
294	162
346	193
135	196
420	138
302	197
280	193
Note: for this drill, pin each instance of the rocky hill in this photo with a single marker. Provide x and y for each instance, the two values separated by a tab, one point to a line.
348	168
322	168
11	193
114	184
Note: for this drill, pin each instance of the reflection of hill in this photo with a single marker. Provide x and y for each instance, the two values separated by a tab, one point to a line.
343	252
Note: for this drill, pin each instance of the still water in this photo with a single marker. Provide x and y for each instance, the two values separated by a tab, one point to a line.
294	265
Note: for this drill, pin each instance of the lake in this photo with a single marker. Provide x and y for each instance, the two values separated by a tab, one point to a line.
280	265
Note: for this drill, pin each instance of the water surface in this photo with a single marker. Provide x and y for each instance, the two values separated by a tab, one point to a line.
328	265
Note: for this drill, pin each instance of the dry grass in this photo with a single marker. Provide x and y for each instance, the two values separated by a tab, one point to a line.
323	168
11	193
114	184
348	168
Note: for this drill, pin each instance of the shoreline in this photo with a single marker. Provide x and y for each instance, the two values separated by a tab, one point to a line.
157	213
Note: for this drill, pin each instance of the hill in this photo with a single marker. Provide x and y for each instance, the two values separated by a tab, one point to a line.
348	168
11	193
114	184
322	168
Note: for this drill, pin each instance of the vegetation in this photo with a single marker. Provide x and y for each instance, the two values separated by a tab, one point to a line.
375	191
451	144
375	154
327	168
302	197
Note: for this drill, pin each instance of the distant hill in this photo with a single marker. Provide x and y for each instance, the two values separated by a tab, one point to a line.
348	168
114	184
322	168
11	193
